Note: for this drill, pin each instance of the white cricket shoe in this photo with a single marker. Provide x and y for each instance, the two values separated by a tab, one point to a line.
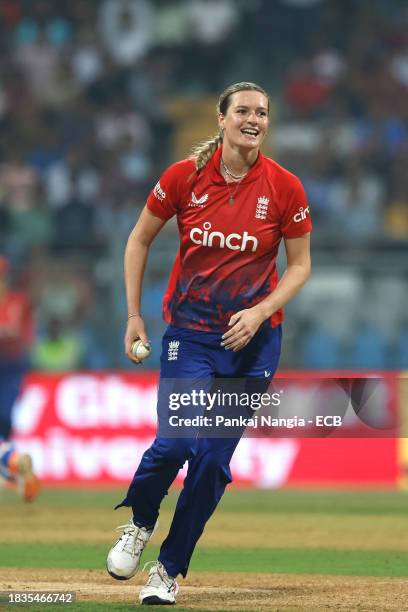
160	588
124	557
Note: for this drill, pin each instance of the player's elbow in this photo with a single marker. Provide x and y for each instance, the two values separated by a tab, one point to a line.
137	240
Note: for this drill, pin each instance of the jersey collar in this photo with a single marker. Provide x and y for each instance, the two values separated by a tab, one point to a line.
253	174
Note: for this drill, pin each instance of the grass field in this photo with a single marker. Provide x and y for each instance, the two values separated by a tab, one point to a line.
262	550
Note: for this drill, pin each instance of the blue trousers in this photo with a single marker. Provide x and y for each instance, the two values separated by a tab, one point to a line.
11	378
196	360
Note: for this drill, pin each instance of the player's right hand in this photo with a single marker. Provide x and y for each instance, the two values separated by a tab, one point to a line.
135	330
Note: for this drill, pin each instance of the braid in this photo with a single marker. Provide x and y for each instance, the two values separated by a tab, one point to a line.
203	151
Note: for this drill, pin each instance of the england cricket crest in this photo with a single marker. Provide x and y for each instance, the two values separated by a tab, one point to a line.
172	351
262	207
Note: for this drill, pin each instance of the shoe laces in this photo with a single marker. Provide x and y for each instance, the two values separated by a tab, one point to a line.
133	538
158	575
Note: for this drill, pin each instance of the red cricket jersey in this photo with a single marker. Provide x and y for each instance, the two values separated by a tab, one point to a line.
227	256
16	326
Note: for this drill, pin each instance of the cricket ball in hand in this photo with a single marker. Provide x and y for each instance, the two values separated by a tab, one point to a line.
140	351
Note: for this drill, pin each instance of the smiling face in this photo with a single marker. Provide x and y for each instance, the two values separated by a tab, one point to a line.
246	120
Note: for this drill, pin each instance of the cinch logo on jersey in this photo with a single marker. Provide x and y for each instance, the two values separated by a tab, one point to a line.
158	192
233	241
301	215
198	201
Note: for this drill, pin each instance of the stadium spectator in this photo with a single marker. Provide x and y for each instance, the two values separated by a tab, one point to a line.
356	199
126	28
58	349
213	26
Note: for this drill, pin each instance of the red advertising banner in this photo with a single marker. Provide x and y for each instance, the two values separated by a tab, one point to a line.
94	427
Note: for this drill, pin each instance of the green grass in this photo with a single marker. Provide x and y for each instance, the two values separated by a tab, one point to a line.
90	606
269	501
269	560
293	503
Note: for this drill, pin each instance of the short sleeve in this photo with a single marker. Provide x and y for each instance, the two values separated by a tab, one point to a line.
165	198
295	216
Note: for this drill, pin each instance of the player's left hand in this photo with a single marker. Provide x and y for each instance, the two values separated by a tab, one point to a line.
244	325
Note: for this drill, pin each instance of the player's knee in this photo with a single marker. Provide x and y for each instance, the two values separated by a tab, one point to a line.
171	451
216	465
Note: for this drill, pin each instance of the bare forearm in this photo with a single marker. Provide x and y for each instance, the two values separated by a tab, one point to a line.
135	263
291	282
137	248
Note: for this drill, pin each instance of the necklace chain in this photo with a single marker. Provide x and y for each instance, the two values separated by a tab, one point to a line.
236	177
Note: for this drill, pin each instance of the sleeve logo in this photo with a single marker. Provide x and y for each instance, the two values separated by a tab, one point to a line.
158	192
302	214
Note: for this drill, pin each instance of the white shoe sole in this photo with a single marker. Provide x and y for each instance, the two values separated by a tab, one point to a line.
153	599
117	577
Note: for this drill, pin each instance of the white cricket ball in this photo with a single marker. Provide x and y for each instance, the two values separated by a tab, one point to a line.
140	351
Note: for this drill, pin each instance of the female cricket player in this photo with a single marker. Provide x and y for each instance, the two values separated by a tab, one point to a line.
224	308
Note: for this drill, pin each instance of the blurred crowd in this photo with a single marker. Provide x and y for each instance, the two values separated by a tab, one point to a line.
94	96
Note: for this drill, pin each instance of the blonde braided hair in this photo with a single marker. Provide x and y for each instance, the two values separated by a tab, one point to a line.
203	151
